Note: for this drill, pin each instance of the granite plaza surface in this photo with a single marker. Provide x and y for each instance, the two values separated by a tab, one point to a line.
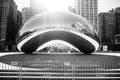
67	66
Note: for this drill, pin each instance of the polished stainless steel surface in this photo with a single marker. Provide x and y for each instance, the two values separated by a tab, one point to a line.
58	26
58	20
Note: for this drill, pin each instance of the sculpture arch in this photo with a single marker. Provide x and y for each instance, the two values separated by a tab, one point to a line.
63	26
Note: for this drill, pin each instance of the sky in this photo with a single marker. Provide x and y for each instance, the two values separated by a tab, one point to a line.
103	5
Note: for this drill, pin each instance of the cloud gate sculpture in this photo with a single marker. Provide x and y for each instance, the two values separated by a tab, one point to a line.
49	27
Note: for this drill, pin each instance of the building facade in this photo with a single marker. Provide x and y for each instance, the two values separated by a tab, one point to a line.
8	24
89	10
71	9
117	14
107	29
36	7
26	14
19	20
117	36
4	11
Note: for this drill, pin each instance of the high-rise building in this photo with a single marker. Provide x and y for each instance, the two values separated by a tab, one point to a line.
88	9
26	14
37	7
19	20
117	36
11	25
107	28
71	9
8	23
4	11
117	14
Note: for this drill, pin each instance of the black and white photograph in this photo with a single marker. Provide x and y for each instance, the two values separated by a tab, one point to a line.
59	39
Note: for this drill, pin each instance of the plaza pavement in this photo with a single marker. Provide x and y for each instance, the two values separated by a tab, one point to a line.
105	63
101	53
98	57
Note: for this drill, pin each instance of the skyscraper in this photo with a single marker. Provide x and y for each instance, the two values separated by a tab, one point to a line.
71	9
11	25
88	9
117	36
117	14
107	28
26	14
19	20
4	11
36	7
8	23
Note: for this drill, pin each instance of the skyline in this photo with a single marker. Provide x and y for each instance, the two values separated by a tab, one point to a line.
103	5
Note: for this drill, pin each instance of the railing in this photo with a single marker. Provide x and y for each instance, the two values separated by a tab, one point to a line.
61	70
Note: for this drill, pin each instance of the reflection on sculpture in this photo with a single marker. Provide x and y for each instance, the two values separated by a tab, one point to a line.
48	27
